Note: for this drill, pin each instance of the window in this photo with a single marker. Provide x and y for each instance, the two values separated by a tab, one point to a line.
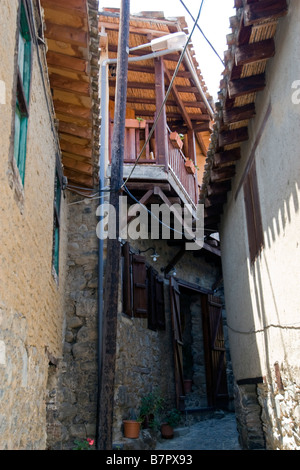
253	214
143	291
23	91
56	224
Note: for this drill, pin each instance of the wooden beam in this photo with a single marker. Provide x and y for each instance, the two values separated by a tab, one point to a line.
178	100
142	185
77	6
76	165
215	189
255	52
72	109
135	207
175	260
170	102
239	113
73	129
79	178
178	216
234	136
109	26
150	70
204	127
64	83
255	13
223	174
228	157
76	149
66	34
215	199
245	86
191	146
161	137
151	86
67	62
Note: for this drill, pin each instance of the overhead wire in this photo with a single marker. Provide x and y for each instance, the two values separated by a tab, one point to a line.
201	31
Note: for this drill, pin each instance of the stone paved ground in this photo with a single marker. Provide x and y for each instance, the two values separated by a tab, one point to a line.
218	433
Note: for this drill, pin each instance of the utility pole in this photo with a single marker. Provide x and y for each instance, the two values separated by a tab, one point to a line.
112	271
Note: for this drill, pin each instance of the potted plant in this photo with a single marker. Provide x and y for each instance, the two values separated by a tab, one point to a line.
151	407
132	426
190	166
176	140
172	419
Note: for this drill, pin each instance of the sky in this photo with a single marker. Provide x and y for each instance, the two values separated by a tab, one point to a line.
214	22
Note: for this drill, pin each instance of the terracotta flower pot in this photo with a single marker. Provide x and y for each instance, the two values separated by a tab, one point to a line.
131	429
190	167
176	140
167	432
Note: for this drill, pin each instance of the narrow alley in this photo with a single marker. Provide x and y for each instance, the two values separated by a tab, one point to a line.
217	433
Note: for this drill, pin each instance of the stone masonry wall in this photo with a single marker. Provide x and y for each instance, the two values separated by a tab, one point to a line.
73	393
280	402
248	415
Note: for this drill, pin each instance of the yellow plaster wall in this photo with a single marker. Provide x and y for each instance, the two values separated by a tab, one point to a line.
31	299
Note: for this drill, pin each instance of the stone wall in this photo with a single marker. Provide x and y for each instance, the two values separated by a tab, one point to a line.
248	415
280	402
73	392
31	298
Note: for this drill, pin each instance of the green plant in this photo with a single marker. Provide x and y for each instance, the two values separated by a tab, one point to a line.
151	406
173	417
84	445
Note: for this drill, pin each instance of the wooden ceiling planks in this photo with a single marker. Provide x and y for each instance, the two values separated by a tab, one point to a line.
250	46
185	106
71	33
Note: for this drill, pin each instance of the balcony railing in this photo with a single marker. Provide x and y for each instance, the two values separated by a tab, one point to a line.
177	166
136	134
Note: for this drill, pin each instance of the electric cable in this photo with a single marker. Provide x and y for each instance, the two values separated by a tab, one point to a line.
166	97
201	31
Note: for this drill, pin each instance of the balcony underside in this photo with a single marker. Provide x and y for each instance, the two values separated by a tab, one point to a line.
145	177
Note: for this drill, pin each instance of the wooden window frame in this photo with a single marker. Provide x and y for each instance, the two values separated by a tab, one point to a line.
24	72
143	290
253	213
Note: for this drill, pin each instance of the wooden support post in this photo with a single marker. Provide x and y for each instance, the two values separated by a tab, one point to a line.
161	136
112	274
191	146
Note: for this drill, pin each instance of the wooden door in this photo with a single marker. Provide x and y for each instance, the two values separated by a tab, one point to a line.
219	391
177	339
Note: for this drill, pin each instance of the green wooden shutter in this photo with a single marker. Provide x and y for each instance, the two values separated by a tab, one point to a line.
56	228
23	92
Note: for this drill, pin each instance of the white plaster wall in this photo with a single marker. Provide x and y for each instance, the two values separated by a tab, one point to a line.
264	298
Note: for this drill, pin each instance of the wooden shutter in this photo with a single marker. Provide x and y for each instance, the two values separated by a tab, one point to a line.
253	213
127	280
156	304
160	304
177	339
139	279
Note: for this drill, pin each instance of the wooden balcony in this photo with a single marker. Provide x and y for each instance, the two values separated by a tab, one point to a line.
172	169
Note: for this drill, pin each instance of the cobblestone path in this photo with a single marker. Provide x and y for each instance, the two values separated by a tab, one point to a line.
219	433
